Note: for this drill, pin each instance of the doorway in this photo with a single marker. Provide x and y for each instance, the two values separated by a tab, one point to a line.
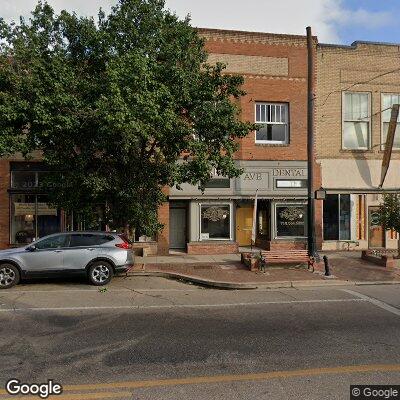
244	225
376	237
177	228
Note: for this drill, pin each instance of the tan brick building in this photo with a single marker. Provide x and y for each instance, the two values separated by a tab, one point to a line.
273	159
354	85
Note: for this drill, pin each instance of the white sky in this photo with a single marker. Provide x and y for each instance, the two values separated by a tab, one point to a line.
326	17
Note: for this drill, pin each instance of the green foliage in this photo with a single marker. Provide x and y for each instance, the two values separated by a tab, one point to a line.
389	212
112	104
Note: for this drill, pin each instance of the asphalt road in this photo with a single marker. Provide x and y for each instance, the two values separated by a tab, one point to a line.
150	338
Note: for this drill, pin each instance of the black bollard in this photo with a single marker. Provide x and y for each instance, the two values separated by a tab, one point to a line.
327	272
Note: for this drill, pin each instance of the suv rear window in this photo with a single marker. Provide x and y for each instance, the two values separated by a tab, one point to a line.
87	239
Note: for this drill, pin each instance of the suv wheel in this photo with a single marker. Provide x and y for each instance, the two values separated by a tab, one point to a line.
9	276
100	273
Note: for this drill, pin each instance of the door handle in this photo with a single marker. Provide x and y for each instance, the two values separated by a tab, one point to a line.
90	249
57	251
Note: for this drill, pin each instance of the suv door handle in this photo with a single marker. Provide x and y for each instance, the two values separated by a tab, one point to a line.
90	249
57	251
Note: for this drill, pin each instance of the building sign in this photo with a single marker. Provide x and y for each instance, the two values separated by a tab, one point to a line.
295	172
252	176
29	209
251	180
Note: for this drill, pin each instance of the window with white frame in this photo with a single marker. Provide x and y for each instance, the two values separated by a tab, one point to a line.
215	221
274	121
356	121
387	102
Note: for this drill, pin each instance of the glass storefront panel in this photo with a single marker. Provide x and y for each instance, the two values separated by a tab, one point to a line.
23	218
23	180
337	217
48	217
290	220
32	218
344	217
215	222
331	217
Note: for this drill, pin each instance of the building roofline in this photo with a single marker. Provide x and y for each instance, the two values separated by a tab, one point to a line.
356	43
267	34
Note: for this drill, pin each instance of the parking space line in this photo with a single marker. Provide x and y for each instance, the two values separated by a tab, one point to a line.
221	305
373	301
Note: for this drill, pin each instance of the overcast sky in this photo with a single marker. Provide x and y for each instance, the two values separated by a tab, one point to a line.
334	21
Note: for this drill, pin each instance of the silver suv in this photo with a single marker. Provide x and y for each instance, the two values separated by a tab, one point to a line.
98	255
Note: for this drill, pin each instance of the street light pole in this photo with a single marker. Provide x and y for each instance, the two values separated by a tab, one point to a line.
310	145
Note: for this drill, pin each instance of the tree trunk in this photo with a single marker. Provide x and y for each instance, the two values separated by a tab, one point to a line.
398	244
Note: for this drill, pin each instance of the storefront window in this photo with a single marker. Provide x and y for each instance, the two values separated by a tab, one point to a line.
262	222
290	220
32	217
337	213
215	222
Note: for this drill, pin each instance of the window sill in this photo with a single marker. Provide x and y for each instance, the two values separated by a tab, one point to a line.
356	151
272	144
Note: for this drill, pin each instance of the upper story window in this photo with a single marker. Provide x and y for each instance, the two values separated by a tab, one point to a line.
387	102
356	121
274	118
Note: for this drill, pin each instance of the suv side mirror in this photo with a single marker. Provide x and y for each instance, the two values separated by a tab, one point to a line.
31	248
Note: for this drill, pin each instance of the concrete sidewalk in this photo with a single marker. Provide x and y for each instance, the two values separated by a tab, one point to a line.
226	271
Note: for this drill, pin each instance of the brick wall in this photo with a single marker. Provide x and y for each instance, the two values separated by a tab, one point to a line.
343	67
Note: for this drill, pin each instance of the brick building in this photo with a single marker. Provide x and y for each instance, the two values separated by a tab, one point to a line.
219	220
273	159
356	86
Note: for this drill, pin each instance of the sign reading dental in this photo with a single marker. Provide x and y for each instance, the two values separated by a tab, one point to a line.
290	172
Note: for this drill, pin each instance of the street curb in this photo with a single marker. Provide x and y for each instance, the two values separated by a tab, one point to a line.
257	285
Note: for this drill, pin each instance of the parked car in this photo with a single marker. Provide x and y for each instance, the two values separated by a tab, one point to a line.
98	255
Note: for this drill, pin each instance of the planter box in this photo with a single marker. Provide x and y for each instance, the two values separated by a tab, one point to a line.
384	260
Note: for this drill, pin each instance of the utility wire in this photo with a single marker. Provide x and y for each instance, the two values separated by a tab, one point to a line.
355	84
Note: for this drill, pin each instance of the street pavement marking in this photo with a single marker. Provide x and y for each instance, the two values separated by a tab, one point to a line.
376	302
350	369
130	307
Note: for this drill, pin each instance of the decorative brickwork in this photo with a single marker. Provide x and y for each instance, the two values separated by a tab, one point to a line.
215	247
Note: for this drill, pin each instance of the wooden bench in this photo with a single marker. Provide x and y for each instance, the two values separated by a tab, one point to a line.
286	257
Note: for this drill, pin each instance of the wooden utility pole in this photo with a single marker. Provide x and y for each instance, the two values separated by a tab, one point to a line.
389	142
310	145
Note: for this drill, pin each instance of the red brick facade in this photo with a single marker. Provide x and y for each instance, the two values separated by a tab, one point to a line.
275	70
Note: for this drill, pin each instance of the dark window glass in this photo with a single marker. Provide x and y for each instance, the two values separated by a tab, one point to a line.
215	222
276	133
290	221
331	217
53	242
344	233
337	210
23	180
85	239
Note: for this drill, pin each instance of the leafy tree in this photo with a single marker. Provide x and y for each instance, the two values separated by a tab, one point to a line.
389	213
113	105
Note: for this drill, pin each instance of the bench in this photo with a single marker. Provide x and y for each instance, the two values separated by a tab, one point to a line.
286	256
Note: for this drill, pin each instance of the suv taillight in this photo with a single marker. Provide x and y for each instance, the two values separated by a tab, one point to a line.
123	245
